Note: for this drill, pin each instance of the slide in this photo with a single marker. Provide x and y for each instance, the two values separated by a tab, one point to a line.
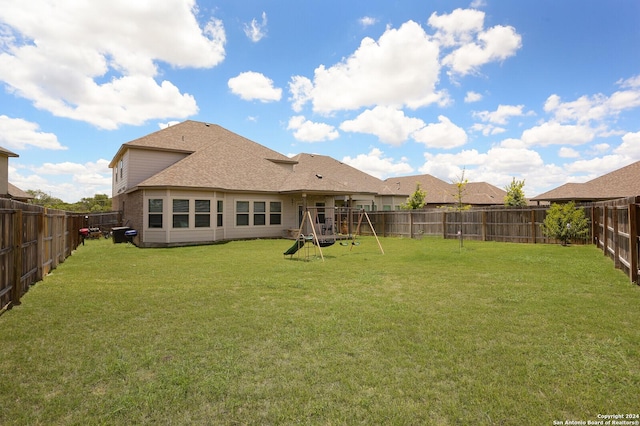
295	247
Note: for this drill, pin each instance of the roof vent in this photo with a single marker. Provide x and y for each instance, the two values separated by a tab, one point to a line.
318	176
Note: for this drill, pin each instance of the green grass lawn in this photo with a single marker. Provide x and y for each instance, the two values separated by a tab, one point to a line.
427	333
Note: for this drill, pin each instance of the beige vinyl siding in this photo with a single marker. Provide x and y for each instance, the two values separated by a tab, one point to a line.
119	184
147	163
260	231
4	174
169	235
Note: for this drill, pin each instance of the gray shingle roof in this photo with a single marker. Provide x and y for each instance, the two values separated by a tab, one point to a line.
621	183
321	173
441	192
222	160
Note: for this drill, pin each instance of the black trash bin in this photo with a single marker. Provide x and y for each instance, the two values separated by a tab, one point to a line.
118	234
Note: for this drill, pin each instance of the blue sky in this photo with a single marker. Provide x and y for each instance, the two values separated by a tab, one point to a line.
542	90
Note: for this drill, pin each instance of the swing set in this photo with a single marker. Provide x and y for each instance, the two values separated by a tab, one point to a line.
319	230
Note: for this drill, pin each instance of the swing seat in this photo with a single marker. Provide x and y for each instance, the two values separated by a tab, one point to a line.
324	243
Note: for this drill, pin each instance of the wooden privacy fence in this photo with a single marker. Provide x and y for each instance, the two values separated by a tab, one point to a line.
615	232
518	225
33	241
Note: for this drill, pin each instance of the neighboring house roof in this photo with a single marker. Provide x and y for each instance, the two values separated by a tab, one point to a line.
18	194
478	193
441	192
621	183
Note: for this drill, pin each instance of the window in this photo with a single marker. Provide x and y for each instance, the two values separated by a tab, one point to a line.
259	210
121	168
180	213
203	214
320	210
115	172
155	213
220	210
242	213
275	210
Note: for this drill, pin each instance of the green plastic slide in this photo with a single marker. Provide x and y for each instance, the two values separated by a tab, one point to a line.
295	247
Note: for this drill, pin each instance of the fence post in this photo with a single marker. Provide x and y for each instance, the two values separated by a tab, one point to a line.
484	225
410	224
40	254
633	243
605	229
533	225
384	224
17	257
444	224
616	239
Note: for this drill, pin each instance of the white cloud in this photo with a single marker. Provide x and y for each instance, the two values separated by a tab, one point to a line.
487	129
168	124
449	167
368	21
472	97
566	152
443	134
408	61
474	47
388	124
498	166
308	131
553	133
254	86
597	166
511	161
458	27
376	164
601	148
17	134
300	88
500	115
632	82
67	181
256	30
405	59
630	146
593	108
97	62
475	4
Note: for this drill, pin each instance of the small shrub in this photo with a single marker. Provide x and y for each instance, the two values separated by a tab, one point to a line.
565	222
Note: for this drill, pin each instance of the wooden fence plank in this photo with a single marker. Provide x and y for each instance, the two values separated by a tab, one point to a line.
633	242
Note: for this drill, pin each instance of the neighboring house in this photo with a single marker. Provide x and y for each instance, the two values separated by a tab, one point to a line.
197	183
395	192
621	183
7	190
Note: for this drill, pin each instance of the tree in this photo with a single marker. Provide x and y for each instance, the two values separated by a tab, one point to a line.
416	201
95	204
565	222
515	195
461	188
41	198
